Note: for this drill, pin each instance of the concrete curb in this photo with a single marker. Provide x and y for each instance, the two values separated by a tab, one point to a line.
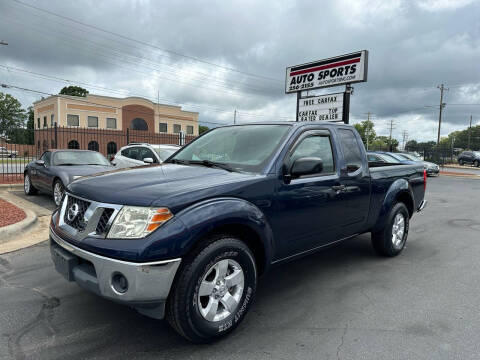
20	227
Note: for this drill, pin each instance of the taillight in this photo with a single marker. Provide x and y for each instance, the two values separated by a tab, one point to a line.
424	179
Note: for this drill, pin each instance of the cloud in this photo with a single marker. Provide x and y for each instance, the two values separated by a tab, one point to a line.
414	46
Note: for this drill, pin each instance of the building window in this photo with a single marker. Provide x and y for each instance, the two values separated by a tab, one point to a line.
111	148
111	123
44	121
52	120
139	124
189	129
38	124
93	145
73	120
73	144
92	121
177	128
162	127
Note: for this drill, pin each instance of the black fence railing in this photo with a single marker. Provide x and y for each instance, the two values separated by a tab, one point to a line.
20	146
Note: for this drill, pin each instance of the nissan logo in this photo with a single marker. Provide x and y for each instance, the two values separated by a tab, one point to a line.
72	212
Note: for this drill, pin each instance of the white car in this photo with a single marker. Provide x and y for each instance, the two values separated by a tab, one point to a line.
137	154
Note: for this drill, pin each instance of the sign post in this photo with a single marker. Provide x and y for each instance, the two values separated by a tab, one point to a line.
340	70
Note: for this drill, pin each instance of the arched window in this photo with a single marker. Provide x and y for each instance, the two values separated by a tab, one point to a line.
93	145
45	145
138	124
73	144
111	148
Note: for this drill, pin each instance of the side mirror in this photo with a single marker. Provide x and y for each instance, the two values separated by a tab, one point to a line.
148	160
306	166
40	162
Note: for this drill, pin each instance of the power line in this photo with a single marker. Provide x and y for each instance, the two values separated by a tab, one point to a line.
144	43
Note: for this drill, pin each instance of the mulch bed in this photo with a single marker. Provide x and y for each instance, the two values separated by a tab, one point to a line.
10	214
11	179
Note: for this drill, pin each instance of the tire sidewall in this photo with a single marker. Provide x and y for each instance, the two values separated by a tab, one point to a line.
241	254
397	208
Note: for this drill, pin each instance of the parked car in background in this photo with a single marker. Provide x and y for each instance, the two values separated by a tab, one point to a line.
400	159
188	239
4	152
374	157
57	168
431	168
469	157
137	154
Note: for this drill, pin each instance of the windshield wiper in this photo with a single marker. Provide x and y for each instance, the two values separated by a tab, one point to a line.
209	163
177	161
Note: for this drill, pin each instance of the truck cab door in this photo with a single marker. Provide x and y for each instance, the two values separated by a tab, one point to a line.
354	182
307	210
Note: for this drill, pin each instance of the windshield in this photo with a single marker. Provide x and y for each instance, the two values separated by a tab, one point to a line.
387	158
79	158
242	148
397	156
412	157
164	153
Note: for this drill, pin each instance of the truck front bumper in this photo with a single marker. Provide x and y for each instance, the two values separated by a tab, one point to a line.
144	286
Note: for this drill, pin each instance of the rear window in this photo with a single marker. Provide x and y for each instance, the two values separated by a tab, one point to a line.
351	150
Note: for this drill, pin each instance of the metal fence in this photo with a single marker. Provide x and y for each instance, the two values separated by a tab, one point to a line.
438	155
20	146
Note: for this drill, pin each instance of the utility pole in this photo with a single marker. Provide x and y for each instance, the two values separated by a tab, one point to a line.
367	130
441	106
469	131
392	126
405	137
235	117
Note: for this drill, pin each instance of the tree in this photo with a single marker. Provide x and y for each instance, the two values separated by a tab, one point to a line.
386	140
366	131
74	91
12	115
202	129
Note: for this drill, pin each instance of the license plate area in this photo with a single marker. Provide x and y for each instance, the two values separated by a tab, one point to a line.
64	261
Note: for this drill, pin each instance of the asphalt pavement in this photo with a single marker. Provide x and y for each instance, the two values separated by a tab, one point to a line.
342	303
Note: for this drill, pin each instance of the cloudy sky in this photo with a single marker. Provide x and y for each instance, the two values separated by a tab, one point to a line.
217	56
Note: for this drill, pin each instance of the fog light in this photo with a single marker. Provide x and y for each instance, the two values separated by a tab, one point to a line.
119	283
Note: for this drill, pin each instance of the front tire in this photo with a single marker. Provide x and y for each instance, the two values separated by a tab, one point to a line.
27	185
460	162
475	163
391	240
213	291
58	191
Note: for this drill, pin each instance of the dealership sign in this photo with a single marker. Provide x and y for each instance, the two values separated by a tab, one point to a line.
339	70
317	108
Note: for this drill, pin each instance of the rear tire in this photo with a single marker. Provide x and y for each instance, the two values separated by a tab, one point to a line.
460	162
27	185
214	288
476	163
391	240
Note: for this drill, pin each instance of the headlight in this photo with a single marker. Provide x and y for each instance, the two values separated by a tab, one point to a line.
133	222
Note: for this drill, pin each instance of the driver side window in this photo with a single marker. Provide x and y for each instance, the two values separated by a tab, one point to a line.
315	146
46	157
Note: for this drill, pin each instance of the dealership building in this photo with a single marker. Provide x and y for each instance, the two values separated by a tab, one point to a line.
105	123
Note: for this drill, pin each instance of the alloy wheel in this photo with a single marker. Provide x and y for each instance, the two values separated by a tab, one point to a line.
398	230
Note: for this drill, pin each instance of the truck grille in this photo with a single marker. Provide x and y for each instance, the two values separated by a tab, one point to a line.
77	222
103	222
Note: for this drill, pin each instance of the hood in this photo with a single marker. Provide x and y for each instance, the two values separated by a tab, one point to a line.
430	164
68	173
162	185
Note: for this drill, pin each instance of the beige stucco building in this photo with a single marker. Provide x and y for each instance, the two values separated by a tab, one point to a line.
104	112
105	124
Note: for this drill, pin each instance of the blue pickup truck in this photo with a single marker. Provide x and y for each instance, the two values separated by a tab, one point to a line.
187	239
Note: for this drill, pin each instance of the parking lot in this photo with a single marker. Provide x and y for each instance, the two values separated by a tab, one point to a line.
342	303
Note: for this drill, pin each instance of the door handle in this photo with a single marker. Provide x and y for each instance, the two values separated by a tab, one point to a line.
339	188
